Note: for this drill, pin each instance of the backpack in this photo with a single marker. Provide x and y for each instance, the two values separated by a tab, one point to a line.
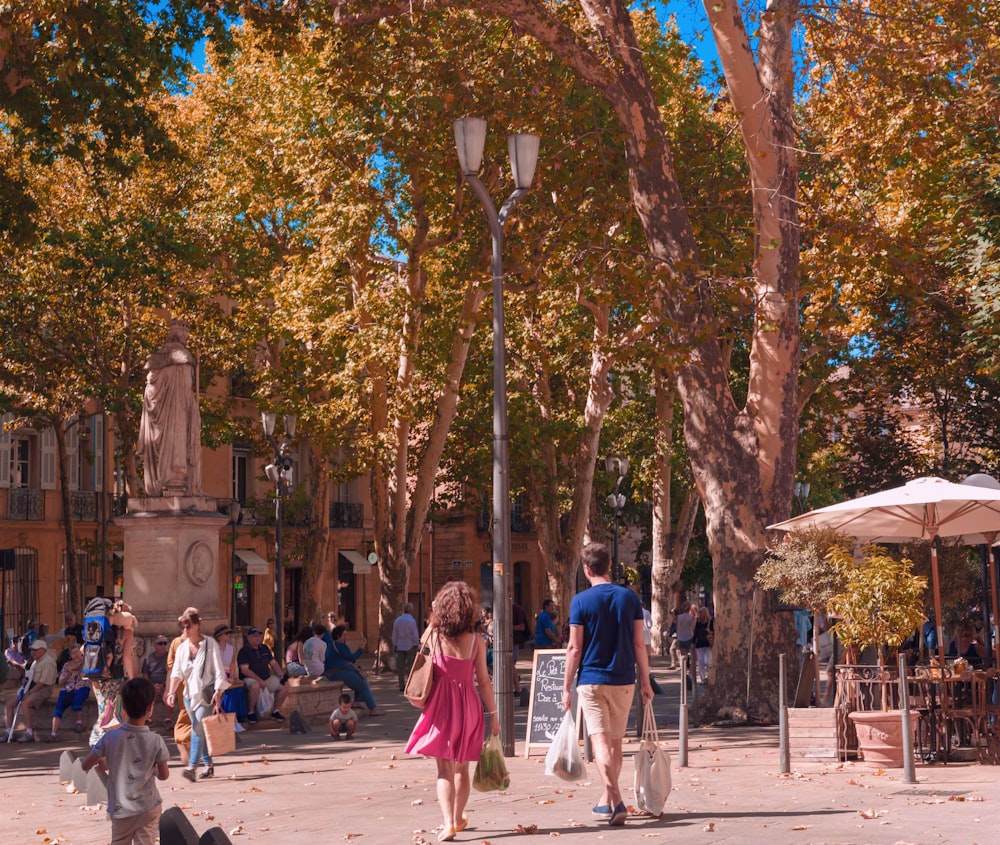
100	641
24	646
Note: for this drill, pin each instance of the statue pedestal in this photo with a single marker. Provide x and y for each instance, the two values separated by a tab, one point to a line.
172	561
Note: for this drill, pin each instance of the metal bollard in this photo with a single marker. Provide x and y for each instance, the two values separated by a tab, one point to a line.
785	764
682	718
909	771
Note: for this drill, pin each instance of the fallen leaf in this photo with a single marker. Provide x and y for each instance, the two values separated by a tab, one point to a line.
870	813
709	828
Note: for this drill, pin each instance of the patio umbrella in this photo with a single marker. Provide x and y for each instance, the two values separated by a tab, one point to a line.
923	509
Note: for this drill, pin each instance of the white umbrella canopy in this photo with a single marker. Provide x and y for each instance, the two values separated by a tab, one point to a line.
922	509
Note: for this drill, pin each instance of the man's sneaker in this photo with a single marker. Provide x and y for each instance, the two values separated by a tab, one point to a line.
207	772
276	715
618	816
252	718
26	738
191	775
602	812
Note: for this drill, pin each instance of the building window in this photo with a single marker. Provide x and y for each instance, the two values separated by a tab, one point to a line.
20	462
20	599
240	460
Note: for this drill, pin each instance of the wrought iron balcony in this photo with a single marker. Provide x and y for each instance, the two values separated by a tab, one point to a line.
25	504
347	515
84	505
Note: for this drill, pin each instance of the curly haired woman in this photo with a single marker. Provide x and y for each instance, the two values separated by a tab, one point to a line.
450	729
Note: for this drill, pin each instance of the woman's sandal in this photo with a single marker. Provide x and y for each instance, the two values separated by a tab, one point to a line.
447	834
462	825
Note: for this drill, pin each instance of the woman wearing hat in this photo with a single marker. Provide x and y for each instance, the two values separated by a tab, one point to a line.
38	682
234	698
199	665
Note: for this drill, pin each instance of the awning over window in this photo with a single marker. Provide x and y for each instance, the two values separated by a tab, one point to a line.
358	561
256	565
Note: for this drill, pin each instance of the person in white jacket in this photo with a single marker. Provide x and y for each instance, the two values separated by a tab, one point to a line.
198	662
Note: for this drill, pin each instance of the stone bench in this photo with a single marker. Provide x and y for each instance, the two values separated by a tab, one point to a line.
43	716
315	698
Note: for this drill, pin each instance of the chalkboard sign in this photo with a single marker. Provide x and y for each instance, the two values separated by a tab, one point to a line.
807	680
545	712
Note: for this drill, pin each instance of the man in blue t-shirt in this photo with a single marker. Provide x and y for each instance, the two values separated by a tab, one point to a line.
605	646
546	635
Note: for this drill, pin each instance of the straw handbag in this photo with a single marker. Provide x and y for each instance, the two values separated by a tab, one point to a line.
421	680
220	733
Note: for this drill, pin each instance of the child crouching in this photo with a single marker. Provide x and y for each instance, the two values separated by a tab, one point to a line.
343	718
132	755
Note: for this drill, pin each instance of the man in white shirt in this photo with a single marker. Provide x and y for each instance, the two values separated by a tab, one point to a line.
405	639
41	677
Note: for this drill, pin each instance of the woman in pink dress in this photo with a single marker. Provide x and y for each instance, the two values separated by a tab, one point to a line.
450	729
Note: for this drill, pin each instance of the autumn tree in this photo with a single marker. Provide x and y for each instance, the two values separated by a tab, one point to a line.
743	457
76	79
84	298
897	202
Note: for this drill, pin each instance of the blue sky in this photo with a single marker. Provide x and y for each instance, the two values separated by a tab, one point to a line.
690	16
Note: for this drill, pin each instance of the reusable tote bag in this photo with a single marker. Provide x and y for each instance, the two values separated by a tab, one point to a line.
421	679
220	733
652	767
491	770
564	759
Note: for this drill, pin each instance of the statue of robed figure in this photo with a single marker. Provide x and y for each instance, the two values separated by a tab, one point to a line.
170	428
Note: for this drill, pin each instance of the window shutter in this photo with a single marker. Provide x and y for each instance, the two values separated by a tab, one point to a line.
5	450
73	453
97	444
49	456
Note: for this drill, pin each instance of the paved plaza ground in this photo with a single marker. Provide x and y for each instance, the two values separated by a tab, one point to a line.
280	788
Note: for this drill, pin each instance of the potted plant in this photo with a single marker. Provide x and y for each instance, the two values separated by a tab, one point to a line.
802	573
880	606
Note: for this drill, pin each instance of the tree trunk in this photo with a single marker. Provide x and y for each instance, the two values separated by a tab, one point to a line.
670	545
315	564
401	512
72	569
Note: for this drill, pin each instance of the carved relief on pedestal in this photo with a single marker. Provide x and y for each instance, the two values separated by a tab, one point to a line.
199	564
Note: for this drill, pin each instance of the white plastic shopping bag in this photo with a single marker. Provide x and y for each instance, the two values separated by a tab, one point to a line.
652	767
564	759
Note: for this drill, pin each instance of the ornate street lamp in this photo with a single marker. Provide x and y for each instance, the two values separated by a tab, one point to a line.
616	501
279	472
470	138
234	520
800	491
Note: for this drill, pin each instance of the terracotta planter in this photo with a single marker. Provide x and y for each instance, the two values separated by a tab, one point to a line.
880	736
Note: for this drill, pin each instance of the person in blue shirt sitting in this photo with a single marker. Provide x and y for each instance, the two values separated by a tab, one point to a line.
340	666
546	635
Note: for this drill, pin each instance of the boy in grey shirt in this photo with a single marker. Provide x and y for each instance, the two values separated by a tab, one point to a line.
132	755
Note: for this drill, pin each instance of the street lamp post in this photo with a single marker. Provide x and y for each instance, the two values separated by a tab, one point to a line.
616	501
470	139
279	472
800	491
234	519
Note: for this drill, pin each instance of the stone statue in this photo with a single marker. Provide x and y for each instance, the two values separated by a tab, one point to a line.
170	429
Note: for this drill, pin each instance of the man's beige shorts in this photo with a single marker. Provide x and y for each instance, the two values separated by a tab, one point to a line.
605	708
272	682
